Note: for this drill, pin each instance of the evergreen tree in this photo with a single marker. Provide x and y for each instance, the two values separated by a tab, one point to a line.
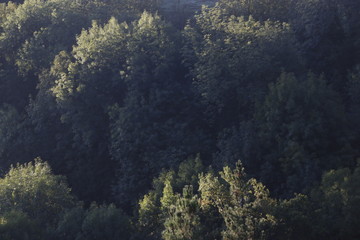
86	83
337	202
245	205
327	36
157	125
232	59
183	221
158	204
302	130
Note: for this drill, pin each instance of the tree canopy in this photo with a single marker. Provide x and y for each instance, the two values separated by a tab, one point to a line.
147	113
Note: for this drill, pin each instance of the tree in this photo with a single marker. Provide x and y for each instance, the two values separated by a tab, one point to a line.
85	84
158	124
178	12
245	205
327	36
105	222
34	32
32	189
183	221
34	38
302	130
237	142
11	136
16	225
337	202
296	218
69	225
232	59
97	222
261	10
160	201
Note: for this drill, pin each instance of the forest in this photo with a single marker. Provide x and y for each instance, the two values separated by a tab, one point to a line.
179	119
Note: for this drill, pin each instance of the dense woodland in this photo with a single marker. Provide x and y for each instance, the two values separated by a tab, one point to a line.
179	119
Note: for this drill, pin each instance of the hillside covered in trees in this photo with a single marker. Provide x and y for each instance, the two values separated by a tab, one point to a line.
179	119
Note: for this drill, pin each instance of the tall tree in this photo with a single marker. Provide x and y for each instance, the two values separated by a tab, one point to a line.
162	202
184	220
33	189
302	130
327	33
337	204
86	83
232	59
261	10
158	124
245	205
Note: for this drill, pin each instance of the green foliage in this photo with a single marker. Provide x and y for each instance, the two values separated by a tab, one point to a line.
95	56
105	222
34	32
6	9
295	218
236	143
183	221
10	129
241	207
70	223
150	216
16	225
230	206
155	127
82	100
113	92
337	200
232	59
31	36
41	29
32	189
245	206
262	10
98	222
325	30
168	196
139	6
178	12
301	129
158	203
